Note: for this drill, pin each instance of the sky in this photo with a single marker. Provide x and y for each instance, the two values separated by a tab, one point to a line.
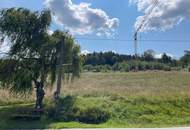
109	25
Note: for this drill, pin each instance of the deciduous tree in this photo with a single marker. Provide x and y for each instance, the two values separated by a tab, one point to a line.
33	54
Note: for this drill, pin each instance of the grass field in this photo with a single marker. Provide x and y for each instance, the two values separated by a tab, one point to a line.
143	99
154	84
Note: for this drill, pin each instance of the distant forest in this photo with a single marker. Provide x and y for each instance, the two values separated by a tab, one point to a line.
110	61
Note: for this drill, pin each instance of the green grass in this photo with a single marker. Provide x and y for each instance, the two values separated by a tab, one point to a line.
144	99
125	112
142	112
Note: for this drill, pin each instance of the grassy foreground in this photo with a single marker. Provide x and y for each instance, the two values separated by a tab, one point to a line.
144	99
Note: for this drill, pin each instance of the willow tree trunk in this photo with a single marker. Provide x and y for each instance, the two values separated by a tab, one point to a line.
58	89
39	95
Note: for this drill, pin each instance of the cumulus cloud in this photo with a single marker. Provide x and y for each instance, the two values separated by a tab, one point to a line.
82	18
166	15
85	52
4	47
50	32
159	56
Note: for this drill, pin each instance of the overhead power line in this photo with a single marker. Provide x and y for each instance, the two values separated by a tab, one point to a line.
130	40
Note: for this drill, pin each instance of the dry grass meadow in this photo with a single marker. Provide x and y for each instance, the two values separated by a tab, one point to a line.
143	84
161	84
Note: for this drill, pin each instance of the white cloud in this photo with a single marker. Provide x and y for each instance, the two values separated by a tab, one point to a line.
85	52
81	18
159	56
105	51
4	47
165	15
50	32
114	51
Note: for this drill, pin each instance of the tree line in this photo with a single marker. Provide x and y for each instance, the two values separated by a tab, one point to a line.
99	61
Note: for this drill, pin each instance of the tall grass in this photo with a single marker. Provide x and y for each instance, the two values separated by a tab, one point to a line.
143	99
141	84
161	84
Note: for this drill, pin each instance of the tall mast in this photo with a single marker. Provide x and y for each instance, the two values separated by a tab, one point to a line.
141	26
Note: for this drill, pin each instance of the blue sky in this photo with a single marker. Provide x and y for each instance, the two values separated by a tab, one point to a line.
127	15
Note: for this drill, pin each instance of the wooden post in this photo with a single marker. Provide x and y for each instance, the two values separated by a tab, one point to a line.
59	79
135	50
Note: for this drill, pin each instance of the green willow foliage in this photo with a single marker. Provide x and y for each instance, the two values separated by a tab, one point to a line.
34	54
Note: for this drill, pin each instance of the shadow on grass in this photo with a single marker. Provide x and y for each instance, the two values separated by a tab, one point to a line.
69	112
7	122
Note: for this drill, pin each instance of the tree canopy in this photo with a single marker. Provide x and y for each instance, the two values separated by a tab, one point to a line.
34	54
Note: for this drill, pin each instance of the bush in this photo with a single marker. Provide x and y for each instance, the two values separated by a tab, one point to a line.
176	68
68	111
97	68
65	111
123	67
142	66
167	68
158	66
189	69
131	65
88	68
93	116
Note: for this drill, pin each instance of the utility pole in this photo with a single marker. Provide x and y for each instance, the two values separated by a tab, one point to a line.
60	69
141	26
135	44
135	50
59	80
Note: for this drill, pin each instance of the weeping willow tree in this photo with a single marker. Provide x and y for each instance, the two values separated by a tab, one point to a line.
33	54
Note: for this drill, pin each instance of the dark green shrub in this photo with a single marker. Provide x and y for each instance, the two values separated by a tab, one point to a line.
88	68
65	110
51	112
105	68
176	68
93	116
125	67
142	66
158	66
133	64
189	69
115	67
167	68
68	108
100	68
68	111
